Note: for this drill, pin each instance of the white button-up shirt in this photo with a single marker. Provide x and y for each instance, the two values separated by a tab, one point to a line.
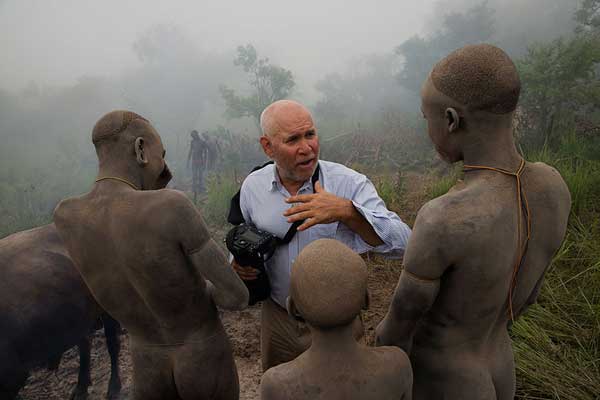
262	201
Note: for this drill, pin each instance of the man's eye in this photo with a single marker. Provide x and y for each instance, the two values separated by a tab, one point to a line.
310	133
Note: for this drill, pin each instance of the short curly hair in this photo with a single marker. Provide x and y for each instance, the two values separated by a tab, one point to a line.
481	77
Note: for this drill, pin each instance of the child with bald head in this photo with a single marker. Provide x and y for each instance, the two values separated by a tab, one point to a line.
478	254
328	289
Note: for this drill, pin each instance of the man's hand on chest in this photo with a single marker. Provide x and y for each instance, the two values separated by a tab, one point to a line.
320	207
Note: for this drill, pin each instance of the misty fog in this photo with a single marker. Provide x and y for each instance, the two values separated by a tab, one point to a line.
66	63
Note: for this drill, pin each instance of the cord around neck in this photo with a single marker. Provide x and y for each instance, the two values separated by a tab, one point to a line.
523	206
116	178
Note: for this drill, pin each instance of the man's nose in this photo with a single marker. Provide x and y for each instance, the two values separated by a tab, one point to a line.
305	147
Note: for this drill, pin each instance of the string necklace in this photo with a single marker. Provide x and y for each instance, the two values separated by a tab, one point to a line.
523	206
116	178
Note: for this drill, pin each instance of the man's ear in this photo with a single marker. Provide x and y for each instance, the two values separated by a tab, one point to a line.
367	301
291	309
453	119
267	146
139	152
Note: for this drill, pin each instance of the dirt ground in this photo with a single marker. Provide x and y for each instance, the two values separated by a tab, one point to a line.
243	328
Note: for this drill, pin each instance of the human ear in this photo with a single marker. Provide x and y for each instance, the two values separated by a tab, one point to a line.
267	147
291	309
453	119
139	152
367	300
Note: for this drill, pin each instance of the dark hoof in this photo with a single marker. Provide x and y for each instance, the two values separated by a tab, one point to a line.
114	390
79	393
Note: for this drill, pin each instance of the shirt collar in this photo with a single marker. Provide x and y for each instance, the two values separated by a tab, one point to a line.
276	182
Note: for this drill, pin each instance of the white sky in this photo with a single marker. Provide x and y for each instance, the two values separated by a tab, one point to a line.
57	41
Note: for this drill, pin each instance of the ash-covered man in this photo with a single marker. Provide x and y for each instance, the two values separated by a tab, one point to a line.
344	206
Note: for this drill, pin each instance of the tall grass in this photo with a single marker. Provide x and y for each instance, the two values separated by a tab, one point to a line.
557	341
440	185
391	189
220	190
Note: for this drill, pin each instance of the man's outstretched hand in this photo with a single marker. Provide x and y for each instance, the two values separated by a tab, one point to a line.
320	207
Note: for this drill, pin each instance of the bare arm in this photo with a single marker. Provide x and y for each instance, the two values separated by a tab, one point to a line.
412	298
419	284
532	299
207	258
225	286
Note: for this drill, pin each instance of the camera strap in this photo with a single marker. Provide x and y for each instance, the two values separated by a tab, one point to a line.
294	228
236	217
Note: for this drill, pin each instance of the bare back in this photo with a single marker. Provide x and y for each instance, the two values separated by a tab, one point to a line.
362	374
131	247
478	227
468	240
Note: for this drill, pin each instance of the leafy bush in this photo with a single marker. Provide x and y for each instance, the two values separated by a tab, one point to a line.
220	191
440	185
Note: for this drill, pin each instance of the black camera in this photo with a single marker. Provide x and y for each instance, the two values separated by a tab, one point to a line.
251	246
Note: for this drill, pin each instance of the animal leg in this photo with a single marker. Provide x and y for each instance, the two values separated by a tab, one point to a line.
84	380
9	389
113	344
13	374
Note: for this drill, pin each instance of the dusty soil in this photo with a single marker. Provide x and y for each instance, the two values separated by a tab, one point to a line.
243	328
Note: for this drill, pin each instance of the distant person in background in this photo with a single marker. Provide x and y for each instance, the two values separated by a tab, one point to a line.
213	151
198	156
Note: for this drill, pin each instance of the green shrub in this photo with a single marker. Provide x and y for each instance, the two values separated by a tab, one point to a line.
391	189
440	185
220	190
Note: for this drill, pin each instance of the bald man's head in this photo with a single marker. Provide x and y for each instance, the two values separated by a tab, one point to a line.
113	123
480	77
282	113
328	283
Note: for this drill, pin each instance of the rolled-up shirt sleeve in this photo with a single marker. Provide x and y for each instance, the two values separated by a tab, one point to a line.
387	224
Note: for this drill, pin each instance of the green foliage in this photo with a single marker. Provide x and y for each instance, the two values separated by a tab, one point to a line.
576	160
392	190
588	14
269	83
559	82
220	192
440	185
475	25
557	341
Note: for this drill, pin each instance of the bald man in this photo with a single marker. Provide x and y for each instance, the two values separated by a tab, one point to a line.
477	257
147	257
328	290
343	205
